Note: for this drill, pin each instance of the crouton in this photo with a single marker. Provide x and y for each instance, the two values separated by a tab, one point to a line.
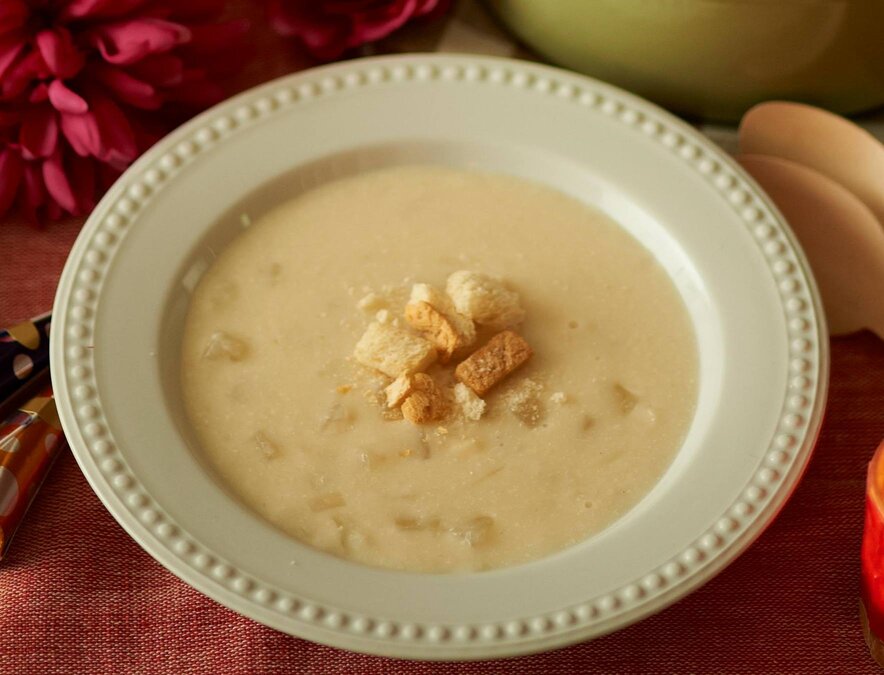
399	389
485	300
470	405
393	351
418	408
426	403
405	385
433	325
488	365
442	323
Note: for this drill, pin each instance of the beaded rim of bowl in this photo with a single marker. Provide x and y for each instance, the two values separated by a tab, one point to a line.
772	483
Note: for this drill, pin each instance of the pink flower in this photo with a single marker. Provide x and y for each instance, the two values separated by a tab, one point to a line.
87	85
328	28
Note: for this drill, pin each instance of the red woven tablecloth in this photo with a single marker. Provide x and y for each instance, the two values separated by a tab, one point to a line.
77	595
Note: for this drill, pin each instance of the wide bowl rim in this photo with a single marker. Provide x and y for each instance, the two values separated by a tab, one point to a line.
93	445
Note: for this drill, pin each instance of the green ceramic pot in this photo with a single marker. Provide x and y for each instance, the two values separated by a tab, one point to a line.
715	58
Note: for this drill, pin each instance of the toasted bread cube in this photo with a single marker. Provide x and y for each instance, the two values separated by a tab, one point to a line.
432	313
405	385
423	382
398	390
470	405
433	296
434	326
418	408
488	365
426	403
485	299
444	326
393	351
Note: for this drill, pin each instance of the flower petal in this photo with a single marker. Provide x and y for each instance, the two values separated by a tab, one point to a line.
39	93
34	195
9	119
160	70
98	9
9	52
369	26
13	14
39	132
59	52
53	210
65	100
197	91
10	178
309	23
194	11
107	176
81	173
432	8
81	132
103	132
57	184
126	42
117	141
22	74
126	88
77	9
329	28
212	38
218	48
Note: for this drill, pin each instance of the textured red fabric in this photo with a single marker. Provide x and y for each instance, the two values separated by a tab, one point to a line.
77	595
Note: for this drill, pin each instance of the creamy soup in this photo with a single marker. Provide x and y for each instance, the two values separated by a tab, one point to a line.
569	442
